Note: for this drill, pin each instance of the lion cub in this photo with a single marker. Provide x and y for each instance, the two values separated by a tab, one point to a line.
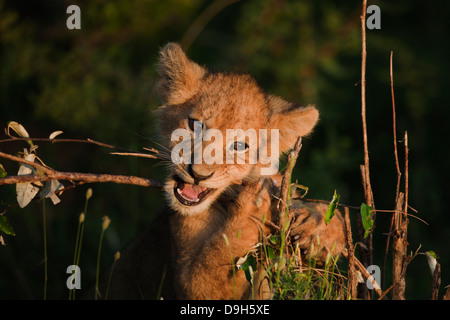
210	234
217	208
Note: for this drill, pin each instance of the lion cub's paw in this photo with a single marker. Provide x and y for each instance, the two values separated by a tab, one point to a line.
309	232
255	198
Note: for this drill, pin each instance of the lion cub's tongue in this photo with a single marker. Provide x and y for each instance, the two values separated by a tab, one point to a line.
191	191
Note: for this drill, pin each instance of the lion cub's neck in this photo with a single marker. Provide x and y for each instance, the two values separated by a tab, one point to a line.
189	232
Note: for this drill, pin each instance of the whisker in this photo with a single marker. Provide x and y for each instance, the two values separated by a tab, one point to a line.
163	163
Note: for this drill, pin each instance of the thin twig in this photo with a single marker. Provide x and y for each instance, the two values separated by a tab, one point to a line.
394	125
283	213
365	253
366	176
385	292
88	140
406	173
292	158
365	274
124	151
374	210
202	20
135	154
399	174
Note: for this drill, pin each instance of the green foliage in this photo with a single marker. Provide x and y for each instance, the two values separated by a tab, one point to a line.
5	226
3	172
249	266
332	207
296	280
367	219
433	254
315	284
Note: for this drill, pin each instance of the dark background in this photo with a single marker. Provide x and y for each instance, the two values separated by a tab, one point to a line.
99	83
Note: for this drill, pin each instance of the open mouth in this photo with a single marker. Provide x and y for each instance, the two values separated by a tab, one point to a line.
190	194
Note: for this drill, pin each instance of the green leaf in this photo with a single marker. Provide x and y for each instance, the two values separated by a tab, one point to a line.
249	266
366	215
271	253
274	239
433	254
432	260
5	226
332	208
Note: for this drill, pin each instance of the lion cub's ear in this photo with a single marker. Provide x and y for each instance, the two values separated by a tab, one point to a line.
292	120
179	77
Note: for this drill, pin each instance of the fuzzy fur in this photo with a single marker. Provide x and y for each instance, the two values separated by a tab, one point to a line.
206	239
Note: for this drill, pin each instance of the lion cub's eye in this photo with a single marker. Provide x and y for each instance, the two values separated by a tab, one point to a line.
240	146
192	123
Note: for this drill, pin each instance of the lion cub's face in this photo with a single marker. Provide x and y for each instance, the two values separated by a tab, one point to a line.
229	129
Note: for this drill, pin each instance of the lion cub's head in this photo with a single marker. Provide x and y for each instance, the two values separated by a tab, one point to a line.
221	129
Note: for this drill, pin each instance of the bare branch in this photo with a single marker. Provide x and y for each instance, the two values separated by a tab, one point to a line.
436	283
292	158
88	141
366	173
365	274
46	173
135	154
394	125
84	177
365	253
352	279
35	165
399	251
399	174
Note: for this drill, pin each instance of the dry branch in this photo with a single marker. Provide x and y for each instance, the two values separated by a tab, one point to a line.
436	283
352	279
400	244
45	173
447	293
83	177
399	251
366	173
399	174
360	267
366	250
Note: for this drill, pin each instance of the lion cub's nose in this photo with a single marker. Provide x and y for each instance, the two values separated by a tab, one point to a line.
200	171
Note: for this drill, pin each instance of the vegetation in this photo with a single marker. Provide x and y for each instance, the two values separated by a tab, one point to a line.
98	82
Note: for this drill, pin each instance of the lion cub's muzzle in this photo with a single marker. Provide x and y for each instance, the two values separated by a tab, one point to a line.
191	194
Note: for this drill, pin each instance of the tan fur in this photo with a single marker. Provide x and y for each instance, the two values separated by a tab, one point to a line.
202	258
208	238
